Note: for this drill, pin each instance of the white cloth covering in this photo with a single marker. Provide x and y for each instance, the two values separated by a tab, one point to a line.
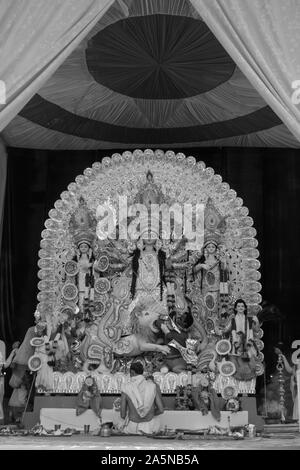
141	392
262	37
36	37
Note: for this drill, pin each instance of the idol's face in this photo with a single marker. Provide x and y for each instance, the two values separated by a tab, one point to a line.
148	239
84	247
240	307
149	242
211	248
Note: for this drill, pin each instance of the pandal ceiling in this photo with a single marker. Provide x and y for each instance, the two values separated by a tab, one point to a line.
150	73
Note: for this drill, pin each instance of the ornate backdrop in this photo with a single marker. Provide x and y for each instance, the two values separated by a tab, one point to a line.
36	179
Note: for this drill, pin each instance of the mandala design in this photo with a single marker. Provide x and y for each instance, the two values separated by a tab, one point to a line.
71	268
223	347
103	263
99	308
210	302
69	292
89	381
227	368
102	285
229	391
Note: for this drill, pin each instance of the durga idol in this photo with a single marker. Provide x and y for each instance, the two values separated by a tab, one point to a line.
148	266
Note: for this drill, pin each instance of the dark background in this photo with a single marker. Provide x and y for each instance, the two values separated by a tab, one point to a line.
268	180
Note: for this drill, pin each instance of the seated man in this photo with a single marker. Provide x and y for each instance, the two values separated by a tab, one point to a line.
141	403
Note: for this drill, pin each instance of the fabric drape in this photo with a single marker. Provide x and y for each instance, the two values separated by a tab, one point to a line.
7	247
3	164
154	66
36	37
263	39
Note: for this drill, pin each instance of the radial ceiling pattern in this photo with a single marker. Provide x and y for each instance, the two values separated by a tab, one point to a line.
150	73
158	57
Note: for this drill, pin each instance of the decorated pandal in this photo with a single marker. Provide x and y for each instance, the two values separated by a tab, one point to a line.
106	302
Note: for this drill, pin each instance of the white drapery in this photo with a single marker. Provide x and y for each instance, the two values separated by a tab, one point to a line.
3	163
74	88
263	39
36	37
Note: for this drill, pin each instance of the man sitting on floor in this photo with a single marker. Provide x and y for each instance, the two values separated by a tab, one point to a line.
141	403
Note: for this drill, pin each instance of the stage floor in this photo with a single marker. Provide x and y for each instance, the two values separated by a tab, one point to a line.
82	442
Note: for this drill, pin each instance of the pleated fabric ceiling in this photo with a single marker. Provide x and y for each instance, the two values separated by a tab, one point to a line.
151	74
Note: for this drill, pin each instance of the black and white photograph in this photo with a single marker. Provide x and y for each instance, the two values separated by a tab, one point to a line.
149	228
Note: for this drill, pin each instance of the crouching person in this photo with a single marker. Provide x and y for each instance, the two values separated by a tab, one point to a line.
141	403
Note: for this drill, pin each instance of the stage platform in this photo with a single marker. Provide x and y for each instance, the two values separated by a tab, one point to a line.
59	402
191	420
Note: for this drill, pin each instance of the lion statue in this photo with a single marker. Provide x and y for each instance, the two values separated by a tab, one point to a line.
143	320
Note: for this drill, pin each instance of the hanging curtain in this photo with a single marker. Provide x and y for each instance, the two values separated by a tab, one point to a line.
7	318
263	39
36	37
3	163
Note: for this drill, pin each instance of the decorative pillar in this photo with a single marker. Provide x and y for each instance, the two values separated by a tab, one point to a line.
298	391
2	362
280	367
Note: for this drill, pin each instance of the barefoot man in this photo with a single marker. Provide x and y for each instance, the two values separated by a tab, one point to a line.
141	403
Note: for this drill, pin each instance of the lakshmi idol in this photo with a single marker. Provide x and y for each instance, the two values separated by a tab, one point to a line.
211	272
81	226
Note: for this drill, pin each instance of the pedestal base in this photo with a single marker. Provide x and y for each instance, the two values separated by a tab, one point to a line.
69	402
190	420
